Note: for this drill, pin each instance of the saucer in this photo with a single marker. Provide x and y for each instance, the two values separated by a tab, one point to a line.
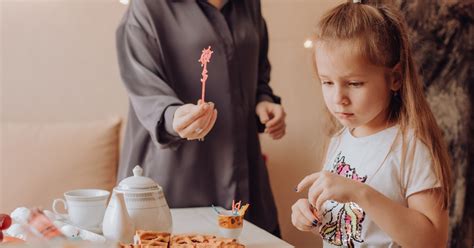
65	219
97	230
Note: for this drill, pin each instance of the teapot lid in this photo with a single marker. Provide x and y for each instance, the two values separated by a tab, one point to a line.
137	181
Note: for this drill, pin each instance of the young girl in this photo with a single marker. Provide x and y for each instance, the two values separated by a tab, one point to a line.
385	181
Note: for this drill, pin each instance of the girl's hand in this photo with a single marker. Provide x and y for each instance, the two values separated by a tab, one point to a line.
272	116
329	186
302	217
194	121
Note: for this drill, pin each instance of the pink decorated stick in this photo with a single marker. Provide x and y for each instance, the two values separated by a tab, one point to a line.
205	58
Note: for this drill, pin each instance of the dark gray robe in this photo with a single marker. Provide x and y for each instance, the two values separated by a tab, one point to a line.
159	43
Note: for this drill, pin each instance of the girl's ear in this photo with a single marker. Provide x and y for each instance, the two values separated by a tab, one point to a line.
396	79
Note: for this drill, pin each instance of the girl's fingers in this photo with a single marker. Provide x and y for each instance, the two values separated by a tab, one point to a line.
195	113
307	181
323	197
301	216
309	219
316	213
314	193
296	217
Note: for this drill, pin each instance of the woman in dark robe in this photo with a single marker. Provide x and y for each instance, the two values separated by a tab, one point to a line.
200	157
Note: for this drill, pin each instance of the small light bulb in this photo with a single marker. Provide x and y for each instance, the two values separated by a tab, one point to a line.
308	43
124	2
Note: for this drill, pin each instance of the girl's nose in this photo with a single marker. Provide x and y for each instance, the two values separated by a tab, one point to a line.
340	97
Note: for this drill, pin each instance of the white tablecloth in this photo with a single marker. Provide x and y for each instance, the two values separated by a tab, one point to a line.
204	221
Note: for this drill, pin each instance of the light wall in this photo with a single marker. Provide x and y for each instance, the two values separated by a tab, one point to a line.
59	60
58	63
290	23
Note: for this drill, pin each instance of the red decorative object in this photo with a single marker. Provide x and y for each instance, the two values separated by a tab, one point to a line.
5	221
205	58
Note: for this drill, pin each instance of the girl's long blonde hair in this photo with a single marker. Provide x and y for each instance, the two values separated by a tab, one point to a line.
381	33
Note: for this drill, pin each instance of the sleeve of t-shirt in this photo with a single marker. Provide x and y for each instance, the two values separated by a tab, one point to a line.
419	174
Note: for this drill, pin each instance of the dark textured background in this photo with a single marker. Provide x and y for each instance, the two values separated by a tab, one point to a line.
442	33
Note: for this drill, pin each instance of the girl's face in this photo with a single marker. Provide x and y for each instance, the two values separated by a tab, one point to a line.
355	91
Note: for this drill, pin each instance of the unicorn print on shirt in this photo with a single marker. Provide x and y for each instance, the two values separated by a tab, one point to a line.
342	224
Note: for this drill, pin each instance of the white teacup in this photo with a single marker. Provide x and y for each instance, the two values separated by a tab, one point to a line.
85	207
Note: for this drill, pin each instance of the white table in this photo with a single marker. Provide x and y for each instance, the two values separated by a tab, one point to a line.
204	221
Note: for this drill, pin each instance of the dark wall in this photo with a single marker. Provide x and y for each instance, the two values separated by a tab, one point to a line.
442	34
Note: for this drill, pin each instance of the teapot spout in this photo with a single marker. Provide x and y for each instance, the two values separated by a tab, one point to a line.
117	224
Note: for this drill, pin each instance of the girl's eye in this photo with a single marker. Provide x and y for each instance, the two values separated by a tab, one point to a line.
356	84
327	82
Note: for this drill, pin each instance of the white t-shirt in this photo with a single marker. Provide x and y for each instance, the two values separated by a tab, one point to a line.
376	161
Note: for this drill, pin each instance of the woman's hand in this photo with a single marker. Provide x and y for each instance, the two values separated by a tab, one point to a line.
194	121
325	186
302	217
272	116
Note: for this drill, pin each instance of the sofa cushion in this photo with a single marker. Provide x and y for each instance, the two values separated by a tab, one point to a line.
41	161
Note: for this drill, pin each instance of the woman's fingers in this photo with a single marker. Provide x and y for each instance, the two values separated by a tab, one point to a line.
275	128
187	116
278	134
273	116
194	130
206	124
278	116
209	125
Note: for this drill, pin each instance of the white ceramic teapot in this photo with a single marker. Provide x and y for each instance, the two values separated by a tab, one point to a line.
144	201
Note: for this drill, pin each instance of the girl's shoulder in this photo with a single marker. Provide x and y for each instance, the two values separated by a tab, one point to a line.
411	141
411	146
417	162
